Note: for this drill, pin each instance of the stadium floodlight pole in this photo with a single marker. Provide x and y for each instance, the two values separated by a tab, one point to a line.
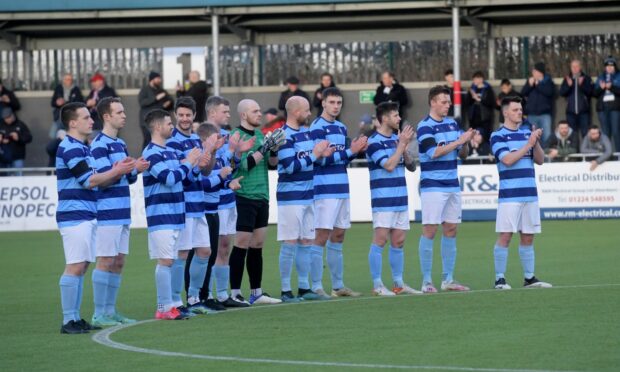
215	36
456	58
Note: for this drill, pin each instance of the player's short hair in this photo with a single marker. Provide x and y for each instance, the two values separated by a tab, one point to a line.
214	101
384	108
437	90
331	92
69	111
205	130
506	101
185	102
154	116
105	106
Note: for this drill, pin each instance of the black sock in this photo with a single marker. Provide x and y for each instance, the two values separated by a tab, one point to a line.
255	267
188	262
237	263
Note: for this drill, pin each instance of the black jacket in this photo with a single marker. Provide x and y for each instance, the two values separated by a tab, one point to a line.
106	91
598	92
13	101
148	101
284	96
397	94
15	150
199	92
483	111
75	95
577	96
539	97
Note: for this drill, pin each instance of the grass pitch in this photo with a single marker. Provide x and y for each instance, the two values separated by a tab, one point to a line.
575	326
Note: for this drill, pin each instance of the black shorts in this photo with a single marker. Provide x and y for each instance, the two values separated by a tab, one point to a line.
251	214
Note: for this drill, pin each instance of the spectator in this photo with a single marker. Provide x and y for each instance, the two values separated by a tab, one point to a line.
577	88
478	146
327	81
273	121
481	100
63	93
390	90
14	136
99	91
505	90
8	99
199	91
292	84
52	147
449	78
596	142
152	96
563	142
539	91
607	90
367	126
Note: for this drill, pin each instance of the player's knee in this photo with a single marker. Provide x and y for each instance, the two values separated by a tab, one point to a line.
429	231
182	255
527	239
337	236
203	252
449	230
119	263
503	240
165	262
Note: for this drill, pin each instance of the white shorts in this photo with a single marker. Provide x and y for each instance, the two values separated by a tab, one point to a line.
330	213
112	240
228	221
295	222
391	220
163	244
194	235
515	217
440	207
79	242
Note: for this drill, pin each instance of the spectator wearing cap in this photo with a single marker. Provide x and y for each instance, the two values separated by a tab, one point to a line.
152	96
481	100
14	136
607	90
596	142
292	84
8	99
505	90
449	78
390	90
577	88
539	91
273	120
63	93
563	142
99	91
198	90
327	81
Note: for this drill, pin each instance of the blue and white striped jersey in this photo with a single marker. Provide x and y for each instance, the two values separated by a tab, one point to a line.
193	193
296	168
388	190
224	157
113	201
439	174
330	176
163	188
517	183
74	167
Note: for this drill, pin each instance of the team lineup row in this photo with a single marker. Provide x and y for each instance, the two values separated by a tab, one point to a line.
206	189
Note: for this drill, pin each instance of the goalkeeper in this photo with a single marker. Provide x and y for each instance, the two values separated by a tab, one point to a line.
252	203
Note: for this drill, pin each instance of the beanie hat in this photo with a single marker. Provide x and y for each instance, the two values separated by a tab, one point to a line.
153	75
540	66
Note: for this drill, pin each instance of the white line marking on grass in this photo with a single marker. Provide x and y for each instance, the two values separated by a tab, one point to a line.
103	338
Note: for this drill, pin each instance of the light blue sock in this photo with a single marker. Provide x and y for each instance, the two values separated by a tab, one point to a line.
448	258
425	251
100	289
316	267
501	259
302	263
69	285
78	300
375	261
397	263
197	273
222	276
526	253
336	264
287	256
114	283
163	280
177	276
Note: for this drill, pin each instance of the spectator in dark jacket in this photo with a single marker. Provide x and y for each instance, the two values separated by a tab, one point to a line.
327	81
506	90
481	102
8	99
152	96
563	142
199	91
607	90
478	146
99	91
293	89
63	93
14	136
449	78
539	91
390	90
596	142
577	88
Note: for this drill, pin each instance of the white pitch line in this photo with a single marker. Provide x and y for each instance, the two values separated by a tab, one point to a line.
103	338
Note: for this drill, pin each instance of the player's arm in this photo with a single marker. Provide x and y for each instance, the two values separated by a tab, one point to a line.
103	163
165	175
287	157
464	151
409	161
538	154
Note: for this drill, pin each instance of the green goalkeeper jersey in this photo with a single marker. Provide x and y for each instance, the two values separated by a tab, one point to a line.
255	182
